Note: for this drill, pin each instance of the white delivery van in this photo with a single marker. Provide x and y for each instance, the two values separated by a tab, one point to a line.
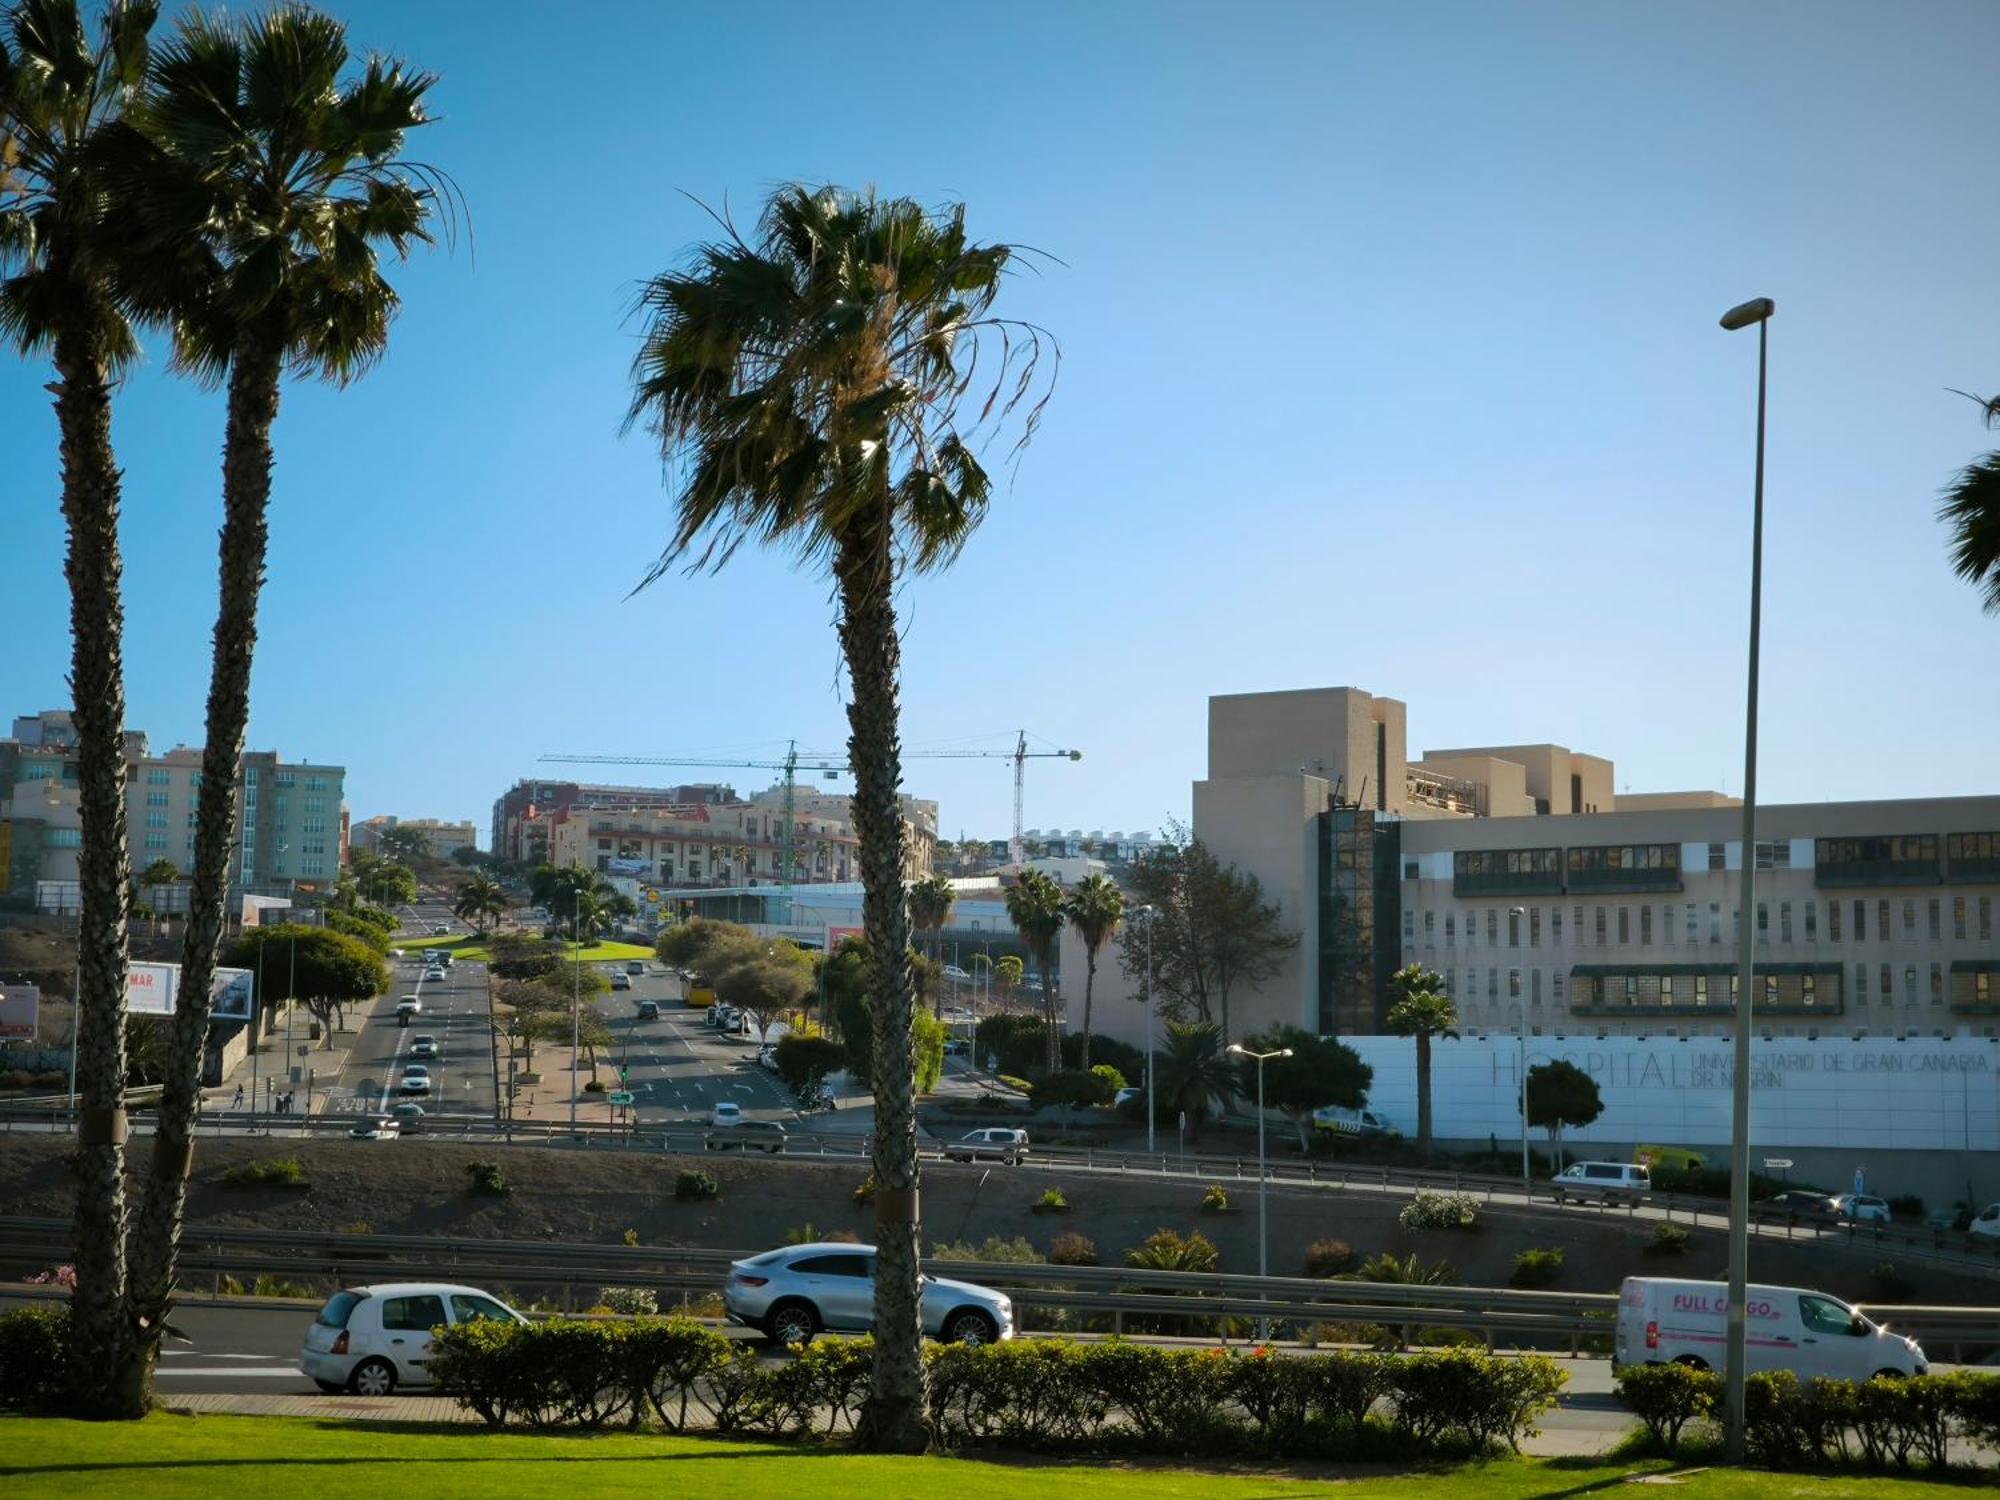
1351	1121
1786	1328
1613	1181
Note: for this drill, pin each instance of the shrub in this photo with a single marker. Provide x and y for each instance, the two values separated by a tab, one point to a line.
1113	1079
1076	1089
802	1060
806	1234
359	1226
1016	1251
1670	1239
1460	1400
1017	1083
1536	1268
1072	1249
487	1180
595	1086
1052	1198
1328	1257
1667	1398
15	1078
277	1286
866	1192
1167	1250
1215	1200
276	1171
632	1238
695	1187
34	1352
1432	1210
638	1301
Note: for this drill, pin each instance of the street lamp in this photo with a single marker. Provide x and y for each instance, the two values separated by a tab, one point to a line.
1149	913
1757	312
1263	1182
576	1013
1520	913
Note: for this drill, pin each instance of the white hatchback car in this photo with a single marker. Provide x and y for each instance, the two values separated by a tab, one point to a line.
371	1339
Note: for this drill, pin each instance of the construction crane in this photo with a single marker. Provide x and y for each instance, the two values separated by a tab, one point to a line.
832	765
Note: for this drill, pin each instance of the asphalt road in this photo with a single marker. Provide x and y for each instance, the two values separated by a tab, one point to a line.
677	1068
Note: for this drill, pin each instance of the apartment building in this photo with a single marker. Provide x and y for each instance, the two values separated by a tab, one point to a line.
696	844
441	839
290	819
521	814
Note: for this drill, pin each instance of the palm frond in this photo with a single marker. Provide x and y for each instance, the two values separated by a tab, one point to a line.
1970	507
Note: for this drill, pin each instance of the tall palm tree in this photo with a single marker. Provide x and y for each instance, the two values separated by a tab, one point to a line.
931	900
806	387
280	162
1035	907
480	900
1421	1009
1194	1070
1094	908
1971	508
62	98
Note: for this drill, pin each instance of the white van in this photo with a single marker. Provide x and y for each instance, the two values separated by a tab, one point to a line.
1351	1121
1787	1328
1613	1181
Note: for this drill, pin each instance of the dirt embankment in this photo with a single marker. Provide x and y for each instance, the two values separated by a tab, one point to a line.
421	1187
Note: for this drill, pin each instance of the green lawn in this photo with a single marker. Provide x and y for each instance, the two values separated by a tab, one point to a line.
202	1457
472	947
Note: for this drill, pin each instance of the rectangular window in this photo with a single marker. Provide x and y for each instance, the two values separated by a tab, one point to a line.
1932	918
1631	989
1624	926
1883	931
1770	989
1716	861
1809	989
1409	926
1430	928
1513	929
1861	922
156	820
1861	984
1888	978
1645	926
1535	988
1513	984
1958	919
157	776
1784	921
1937	984
1693	924
1667	923
1714	922
1763	921
1909	984
1555	926
250	779
1556	984
1812	921
1833	921
1909	921
1492	928
156	841
156	799
1493	987
1534	927
1701	989
1450	928
1985	919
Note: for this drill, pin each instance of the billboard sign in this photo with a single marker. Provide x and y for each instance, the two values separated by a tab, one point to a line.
235	995
20	1006
834	935
153	989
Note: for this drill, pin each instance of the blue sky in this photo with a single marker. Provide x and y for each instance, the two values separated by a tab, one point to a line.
1391	360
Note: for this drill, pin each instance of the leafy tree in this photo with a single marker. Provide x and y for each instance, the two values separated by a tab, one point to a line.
401	842
159	872
383	881
64	98
1194	1071
766	985
927	1039
1007	972
1561	1096
931	900
1094	908
513	957
844	976
807	386
480	900
804	1060
324	970
525	1011
1319	1072
1035	907
1212	929
354	927
1419	1008
1971	509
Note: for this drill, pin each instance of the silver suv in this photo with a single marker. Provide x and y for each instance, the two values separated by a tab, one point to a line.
792	1294
994	1143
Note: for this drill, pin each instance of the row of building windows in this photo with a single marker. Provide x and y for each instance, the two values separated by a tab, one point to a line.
1643	991
1970	916
1666	857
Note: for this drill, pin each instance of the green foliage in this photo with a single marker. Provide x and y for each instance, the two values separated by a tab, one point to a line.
1410	1271
695	1187
275	1171
864	1194
804	1060
1670	1239
1169	1250
1562	1096
1320	1071
1215	1200
1534	1268
1074	1089
633	1301
1014	1252
34	1356
1460	1401
1052	1198
1667	1399
928	1036
487	1180
1329	1257
1420	1008
1435	1210
310	963
1072	1249
354	927
510	956
1194	1072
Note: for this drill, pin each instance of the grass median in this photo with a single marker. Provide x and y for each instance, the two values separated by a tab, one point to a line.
171	1455
472	948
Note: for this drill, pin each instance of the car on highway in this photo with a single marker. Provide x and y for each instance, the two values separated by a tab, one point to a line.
416	1079
635	966
794	1293
1862	1208
1802	1202
621	980
1612	1181
649	1010
954	973
747	1135
408	1117
382	1129
408	1006
424	1046
725	1115
371	1339
440	929
1003	1143
1663	1321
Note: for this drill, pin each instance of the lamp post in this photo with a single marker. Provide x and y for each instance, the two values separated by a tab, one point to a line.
1263	1182
1758	313
1148	913
1527	1178
576	1013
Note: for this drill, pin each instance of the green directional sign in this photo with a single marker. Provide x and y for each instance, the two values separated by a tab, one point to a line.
621	1098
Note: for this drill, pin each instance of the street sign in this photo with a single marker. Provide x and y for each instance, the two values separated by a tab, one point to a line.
1778	1163
621	1098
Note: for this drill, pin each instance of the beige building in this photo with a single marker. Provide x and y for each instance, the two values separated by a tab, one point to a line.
740	843
442	839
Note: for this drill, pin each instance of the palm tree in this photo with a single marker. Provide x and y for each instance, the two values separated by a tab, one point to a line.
1421	1009
931	900
807	386
281	165
1194	1071
62	101
1035	907
479	899
1971	507
1094	909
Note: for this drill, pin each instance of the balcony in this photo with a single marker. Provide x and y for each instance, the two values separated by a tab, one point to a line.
1901	860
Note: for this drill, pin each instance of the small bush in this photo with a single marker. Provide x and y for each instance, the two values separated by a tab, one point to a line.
1052	1198
1017	1083
34	1354
1670	1239
1215	1200
1016	1251
1329	1257
807	1234
595	1086
276	1171
695	1187
1432	1210
1075	1088
487	1180
636	1301
632	1238
1668	1398
1167	1250
1536	1268
1072	1249
359	1226
865	1193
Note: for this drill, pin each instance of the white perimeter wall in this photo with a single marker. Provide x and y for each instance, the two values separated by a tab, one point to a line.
1877	1092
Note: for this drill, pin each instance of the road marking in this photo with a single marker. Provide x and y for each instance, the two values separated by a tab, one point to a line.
233	1371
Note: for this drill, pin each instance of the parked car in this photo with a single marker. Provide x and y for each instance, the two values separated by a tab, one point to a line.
794	1293
1684	1322
994	1143
1613	1181
1862	1208
636	966
958	1046
747	1135
425	1045
1985	1224
1802	1202
725	1115
620	980
408	1117
416	1079
649	1010
371	1339
374	1130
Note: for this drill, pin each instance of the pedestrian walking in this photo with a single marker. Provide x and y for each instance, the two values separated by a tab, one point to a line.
239	1097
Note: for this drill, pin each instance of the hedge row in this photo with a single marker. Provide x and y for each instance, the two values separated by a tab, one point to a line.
1046	1394
1791	1423
34	1344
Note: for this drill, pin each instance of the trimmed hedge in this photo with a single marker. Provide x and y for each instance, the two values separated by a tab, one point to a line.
1050	1395
1790	1423
34	1348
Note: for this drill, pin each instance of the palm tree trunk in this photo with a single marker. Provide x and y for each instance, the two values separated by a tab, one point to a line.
1089	983
90	501
1424	1092
246	494
893	1418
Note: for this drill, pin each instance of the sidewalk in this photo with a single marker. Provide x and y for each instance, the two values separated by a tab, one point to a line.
263	1071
